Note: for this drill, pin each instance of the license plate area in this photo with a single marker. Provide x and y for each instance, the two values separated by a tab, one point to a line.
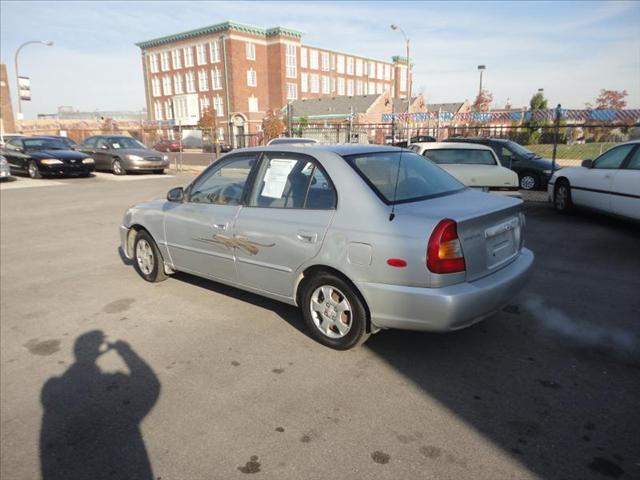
502	242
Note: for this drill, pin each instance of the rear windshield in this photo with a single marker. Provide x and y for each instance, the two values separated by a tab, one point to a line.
460	156
417	178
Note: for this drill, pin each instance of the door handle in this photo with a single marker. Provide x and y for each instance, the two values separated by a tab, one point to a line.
307	237
220	226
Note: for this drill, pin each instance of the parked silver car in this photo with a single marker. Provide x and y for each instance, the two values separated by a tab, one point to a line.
120	154
361	238
5	172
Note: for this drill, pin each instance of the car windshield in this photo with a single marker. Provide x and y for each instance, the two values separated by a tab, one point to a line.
125	142
519	149
416	177
44	144
461	156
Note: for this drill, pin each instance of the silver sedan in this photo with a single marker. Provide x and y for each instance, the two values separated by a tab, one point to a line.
361	238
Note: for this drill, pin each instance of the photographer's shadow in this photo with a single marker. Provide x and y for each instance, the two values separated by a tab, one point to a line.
91	420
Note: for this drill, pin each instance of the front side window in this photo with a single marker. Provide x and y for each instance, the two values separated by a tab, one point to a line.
416	178
90	142
460	156
224	183
634	163
613	158
292	181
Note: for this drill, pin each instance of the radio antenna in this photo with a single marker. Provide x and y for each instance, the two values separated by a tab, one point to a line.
392	215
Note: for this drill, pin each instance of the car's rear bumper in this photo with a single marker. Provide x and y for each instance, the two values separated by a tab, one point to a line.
448	308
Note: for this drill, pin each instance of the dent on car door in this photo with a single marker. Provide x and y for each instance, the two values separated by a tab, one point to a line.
199	231
284	222
625	199
592	188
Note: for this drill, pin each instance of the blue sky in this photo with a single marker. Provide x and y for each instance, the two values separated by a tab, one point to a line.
571	49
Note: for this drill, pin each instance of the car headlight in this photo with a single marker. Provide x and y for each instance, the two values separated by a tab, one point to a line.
547	172
88	160
165	157
51	161
134	157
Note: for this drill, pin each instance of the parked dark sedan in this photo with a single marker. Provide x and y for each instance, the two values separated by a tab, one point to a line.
44	156
211	147
70	142
168	146
533	170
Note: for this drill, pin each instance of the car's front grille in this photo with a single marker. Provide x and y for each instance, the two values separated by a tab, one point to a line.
153	159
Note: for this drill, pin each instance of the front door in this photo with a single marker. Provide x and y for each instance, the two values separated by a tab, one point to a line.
284	222
626	188
199	231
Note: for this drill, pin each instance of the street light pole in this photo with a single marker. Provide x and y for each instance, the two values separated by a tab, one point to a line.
408	86
481	68
15	60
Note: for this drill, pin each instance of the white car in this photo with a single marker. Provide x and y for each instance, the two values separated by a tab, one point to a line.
610	183
474	165
5	172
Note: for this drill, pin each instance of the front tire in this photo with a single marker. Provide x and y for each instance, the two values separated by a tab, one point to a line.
333	312
562	202
529	181
117	168
159	172
147	258
33	170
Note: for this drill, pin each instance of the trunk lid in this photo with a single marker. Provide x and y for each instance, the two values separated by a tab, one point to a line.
490	227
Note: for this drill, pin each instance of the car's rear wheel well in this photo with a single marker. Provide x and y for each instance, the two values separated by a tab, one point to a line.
314	270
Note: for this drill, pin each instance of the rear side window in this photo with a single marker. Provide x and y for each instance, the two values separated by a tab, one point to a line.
417	178
460	156
292	181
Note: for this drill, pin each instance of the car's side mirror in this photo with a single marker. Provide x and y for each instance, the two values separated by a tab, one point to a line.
176	195
587	163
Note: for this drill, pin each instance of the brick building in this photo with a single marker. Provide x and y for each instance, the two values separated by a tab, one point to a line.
244	71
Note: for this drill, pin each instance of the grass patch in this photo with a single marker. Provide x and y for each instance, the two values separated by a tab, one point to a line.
572	152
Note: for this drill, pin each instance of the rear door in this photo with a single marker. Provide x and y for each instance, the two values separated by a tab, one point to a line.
625	198
284	221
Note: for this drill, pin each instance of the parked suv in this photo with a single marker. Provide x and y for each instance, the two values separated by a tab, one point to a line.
120	154
533	170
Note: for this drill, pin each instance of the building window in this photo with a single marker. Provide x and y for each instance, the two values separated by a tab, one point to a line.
313	59
176	59
216	79
153	63
203	80
253	104
380	71
292	91
177	83
340	65
164	61
314	83
157	110
303	57
379	88
201	53
250	49
155	87
403	79
333	62
166	85
360	87
217	104
387	72
340	85
191	82
350	87
204	105
167	110
304	82
188	57
290	61
349	65
333	84
372	69
358	67
372	88
214	51
325	61
252	80
325	85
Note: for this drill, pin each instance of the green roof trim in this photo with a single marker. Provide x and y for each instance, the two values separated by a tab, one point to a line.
221	27
399	59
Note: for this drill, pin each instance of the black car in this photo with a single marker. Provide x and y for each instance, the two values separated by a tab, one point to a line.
211	147
44	156
70	142
533	170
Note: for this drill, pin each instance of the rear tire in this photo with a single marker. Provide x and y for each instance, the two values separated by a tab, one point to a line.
333	312
147	259
117	168
33	170
562	202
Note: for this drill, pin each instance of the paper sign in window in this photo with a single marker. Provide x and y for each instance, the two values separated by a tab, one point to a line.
275	178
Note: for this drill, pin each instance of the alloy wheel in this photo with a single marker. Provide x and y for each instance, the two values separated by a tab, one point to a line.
528	182
144	256
331	311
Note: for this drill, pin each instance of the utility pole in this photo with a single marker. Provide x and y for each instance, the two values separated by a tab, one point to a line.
481	68
555	138
214	135
15	60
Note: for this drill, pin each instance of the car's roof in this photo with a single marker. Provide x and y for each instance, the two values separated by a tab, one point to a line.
478	139
457	146
339	149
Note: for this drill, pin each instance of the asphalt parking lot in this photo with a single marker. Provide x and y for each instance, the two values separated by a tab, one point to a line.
208	382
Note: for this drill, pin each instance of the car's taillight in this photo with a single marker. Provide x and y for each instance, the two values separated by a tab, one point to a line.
444	251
